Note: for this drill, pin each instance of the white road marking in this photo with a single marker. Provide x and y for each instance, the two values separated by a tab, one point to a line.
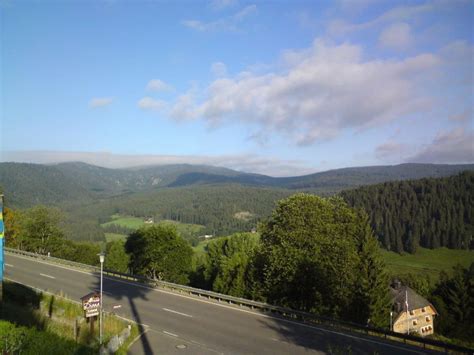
9	265
229	307
168	333
176	312
48	276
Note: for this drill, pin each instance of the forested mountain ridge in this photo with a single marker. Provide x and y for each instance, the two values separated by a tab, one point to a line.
26	185
430	212
115	181
346	178
30	184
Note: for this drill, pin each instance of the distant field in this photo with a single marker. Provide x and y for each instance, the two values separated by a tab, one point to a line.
129	222
184	229
111	237
427	261
201	247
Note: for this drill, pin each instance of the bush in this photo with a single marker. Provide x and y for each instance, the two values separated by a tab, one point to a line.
14	339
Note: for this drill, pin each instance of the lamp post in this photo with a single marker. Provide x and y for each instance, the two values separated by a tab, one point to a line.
101	258
391	324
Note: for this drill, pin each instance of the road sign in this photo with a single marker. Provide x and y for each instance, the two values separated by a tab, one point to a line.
91	304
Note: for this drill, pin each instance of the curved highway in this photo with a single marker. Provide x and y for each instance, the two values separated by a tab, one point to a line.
179	324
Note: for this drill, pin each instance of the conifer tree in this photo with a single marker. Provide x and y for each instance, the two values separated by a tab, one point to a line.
371	302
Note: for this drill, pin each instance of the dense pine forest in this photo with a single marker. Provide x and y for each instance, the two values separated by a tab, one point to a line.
430	213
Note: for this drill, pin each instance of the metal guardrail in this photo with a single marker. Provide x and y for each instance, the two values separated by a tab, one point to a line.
264	307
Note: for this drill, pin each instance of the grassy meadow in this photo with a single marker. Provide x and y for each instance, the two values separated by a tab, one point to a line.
127	221
112	237
201	247
427	261
186	230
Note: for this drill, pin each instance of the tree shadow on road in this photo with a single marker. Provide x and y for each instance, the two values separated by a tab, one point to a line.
327	340
119	291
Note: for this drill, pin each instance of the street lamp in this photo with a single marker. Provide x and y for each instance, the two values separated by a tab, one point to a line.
391	324
101	258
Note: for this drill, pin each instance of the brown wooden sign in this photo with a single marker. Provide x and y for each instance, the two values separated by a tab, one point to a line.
91	304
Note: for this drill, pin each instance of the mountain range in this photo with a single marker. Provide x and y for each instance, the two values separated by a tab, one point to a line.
27	184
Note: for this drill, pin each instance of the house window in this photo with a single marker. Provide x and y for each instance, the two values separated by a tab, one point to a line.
428	319
412	312
415	322
423	309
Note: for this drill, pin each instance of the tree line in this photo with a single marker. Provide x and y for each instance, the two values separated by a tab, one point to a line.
430	213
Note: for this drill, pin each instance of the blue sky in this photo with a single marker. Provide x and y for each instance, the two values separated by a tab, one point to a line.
274	87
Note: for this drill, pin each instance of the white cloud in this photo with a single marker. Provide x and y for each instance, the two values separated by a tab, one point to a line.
455	146
396	36
230	23
323	90
218	69
242	162
396	14
355	6
148	103
183	108
100	101
158	85
222	4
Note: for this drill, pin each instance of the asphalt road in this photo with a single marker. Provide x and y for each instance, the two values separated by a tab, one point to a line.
178	324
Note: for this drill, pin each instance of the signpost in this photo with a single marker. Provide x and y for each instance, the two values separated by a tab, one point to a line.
91	307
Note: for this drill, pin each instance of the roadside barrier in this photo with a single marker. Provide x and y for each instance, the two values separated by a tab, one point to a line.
304	317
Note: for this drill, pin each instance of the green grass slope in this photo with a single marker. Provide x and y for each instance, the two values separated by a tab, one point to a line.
427	261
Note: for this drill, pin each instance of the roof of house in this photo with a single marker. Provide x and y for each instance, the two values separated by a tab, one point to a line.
415	301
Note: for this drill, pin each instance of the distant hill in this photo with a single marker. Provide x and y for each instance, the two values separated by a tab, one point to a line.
29	184
116	181
330	181
341	179
26	185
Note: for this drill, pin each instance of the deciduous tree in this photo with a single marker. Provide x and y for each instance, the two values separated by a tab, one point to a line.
160	253
116	258
40	229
